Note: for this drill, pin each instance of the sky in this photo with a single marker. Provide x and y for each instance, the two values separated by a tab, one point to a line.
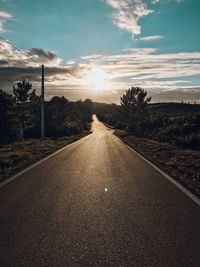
98	49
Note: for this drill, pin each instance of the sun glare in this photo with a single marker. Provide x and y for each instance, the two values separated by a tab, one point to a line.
97	79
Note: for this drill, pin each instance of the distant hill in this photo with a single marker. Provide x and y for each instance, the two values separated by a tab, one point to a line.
174	107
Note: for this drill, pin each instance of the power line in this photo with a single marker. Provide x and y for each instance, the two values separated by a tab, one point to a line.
24	53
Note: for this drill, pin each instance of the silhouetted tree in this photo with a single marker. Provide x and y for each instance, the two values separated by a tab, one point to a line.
5	117
23	96
66	118
134	110
134	102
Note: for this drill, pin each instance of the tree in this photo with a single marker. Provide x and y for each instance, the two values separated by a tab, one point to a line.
56	112
135	102
5	118
134	109
23	98
65	118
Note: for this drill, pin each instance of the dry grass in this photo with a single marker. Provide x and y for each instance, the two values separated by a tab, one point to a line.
17	155
181	164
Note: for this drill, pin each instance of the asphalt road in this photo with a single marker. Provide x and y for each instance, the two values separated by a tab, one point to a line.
96	203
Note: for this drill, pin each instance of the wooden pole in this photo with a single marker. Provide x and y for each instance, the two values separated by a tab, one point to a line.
42	107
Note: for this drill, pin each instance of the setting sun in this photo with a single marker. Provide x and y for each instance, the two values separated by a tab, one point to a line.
97	78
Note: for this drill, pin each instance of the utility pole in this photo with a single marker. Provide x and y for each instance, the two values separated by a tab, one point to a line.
42	107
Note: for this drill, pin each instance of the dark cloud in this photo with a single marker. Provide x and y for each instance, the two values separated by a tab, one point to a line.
16	58
13	74
41	53
10	75
181	94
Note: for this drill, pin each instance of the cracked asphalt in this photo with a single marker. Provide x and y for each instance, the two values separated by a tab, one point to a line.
96	203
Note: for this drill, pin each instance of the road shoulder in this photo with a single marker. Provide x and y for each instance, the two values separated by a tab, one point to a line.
20	157
171	167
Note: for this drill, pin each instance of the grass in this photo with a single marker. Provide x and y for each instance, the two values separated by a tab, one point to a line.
17	155
181	164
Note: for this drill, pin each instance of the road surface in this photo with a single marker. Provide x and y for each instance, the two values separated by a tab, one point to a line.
96	203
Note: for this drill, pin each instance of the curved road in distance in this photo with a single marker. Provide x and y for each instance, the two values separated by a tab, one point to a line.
96	203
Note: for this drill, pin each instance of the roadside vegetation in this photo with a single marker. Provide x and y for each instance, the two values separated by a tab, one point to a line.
174	123
17	155
65	123
21	110
168	134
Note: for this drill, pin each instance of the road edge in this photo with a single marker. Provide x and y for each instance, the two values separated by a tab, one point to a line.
13	177
169	178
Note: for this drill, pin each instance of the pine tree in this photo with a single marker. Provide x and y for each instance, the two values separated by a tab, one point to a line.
135	102
23	98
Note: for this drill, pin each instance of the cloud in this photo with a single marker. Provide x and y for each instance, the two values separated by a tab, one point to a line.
55	77
42	54
70	62
15	58
4	16
154	71
91	57
47	58
156	1
127	14
139	51
15	66
151	38
146	67
1	25
148	63
188	94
